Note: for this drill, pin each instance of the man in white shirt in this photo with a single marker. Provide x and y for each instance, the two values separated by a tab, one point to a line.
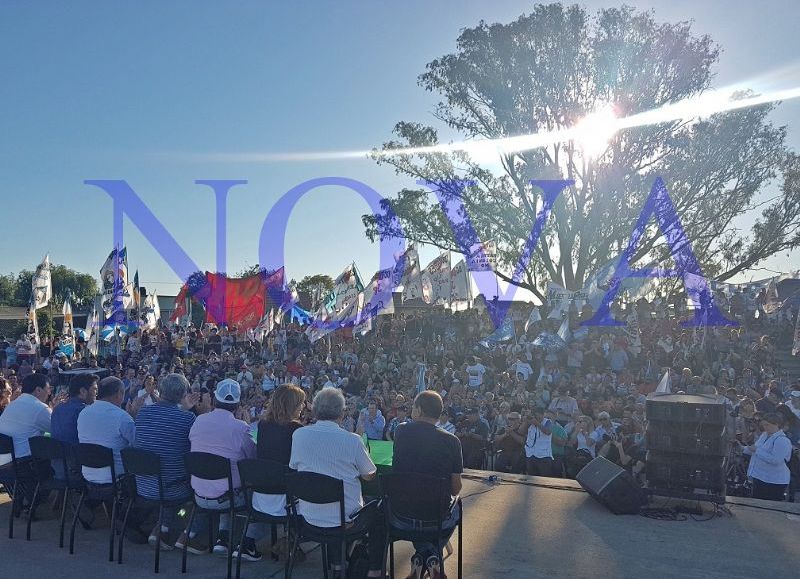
244	377
539	445
475	373
106	424
522	369
326	448
27	416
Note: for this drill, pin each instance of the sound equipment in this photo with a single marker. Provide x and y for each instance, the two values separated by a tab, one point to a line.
692	409
686	446
612	486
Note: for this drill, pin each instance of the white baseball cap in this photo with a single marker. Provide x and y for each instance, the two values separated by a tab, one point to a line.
228	391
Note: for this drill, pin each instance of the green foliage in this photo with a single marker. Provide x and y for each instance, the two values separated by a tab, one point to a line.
16	290
308	283
545	72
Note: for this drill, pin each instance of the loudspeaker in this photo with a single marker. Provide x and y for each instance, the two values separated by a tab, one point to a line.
612	486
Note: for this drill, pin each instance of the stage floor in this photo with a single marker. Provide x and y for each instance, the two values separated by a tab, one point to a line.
521	528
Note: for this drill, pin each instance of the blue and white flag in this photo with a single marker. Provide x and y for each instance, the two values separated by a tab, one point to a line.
549	342
533	317
421	387
502	334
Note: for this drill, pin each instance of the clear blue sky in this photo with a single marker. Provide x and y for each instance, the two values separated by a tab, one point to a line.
139	90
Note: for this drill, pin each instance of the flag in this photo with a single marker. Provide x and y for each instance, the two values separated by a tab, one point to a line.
482	256
773	303
459	282
181	305
377	295
634	332
265	326
563	331
504	333
407	274
364	324
796	343
137	294
93	328
665	384
436	280
345	290
42	285
150	312
114	277
67	338
549	342
239	302
421	378
533	317
33	324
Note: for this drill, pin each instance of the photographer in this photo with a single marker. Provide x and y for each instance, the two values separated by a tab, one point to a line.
539	444
509	442
474	434
769	458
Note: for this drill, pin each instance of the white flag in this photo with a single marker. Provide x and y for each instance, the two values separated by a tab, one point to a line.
364	324
436	280
563	331
796	343
773	303
151	312
345	290
482	262
533	317
633	332
42	285
459	282
93	327
381	286
665	385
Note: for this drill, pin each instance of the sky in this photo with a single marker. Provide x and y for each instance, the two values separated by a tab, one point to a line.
162	94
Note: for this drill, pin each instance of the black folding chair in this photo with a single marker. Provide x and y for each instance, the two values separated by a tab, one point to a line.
97	456
144	463
422	501
7	447
208	466
265	477
319	489
46	450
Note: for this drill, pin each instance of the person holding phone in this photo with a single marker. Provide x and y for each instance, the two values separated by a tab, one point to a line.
769	458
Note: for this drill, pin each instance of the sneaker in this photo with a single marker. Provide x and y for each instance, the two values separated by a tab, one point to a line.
221	547
195	545
417	567
166	542
249	552
434	568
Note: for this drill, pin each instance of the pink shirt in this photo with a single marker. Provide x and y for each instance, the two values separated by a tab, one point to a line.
218	432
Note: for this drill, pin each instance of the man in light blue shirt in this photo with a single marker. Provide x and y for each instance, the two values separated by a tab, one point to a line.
371	422
106	424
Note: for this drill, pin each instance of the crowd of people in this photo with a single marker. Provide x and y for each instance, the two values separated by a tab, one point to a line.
419	379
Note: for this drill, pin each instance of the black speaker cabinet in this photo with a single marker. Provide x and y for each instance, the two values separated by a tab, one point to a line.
612	486
694	409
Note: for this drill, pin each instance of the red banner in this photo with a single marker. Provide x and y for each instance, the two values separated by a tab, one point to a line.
235	302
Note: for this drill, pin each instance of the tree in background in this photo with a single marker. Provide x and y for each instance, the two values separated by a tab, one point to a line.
16	290
315	287
545	72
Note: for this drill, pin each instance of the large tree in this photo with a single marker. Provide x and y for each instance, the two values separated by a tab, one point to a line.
82	287
545	72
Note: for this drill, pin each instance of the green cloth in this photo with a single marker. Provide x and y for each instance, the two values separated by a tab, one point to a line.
558	430
381	452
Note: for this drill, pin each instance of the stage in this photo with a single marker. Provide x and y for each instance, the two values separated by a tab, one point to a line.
524	527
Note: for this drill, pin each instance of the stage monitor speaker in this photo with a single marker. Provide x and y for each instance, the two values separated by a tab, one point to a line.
612	485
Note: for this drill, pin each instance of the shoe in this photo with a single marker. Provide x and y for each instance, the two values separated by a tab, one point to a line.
417	567
166	542
195	546
221	547
433	565
249	552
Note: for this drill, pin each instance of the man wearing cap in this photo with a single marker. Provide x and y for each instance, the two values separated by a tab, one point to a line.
474	438
220	432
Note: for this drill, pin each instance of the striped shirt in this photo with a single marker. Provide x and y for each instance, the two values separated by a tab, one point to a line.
163	428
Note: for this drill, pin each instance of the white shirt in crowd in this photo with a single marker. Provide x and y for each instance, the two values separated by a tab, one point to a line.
587	443
108	425
245	379
565	404
143	392
768	462
538	444
523	368
476	373
327	449
25	417
446	426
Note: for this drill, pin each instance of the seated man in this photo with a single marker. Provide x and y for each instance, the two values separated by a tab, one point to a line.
64	422
107	424
326	448
422	448
220	432
27	416
163	428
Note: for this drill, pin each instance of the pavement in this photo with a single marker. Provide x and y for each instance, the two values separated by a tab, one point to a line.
523	527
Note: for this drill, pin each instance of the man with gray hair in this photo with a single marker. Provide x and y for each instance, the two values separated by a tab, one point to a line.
326	448
163	428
